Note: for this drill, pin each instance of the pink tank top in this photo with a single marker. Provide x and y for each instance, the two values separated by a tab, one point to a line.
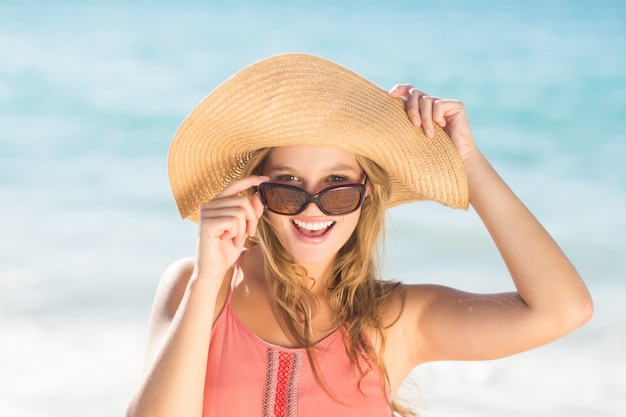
248	377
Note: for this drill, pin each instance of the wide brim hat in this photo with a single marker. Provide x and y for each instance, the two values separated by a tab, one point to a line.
302	99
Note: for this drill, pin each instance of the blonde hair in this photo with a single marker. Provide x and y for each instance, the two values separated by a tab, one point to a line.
356	292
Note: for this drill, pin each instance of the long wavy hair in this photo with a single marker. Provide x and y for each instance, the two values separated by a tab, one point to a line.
356	291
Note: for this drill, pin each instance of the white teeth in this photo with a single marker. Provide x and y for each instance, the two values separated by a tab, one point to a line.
313	226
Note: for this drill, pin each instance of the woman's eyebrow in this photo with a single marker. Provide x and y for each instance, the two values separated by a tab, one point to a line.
329	169
280	168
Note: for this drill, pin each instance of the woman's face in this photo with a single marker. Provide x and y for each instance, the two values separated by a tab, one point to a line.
312	237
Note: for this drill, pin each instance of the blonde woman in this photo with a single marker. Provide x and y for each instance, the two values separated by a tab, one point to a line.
288	167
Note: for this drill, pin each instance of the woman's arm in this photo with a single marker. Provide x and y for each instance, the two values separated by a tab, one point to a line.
186	305
551	299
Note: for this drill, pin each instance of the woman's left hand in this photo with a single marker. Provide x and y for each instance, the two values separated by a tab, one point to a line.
425	110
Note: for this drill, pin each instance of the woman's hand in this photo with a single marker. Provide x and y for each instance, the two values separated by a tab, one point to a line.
425	110
225	223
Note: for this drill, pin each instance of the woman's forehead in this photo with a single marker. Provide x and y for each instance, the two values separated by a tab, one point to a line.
317	156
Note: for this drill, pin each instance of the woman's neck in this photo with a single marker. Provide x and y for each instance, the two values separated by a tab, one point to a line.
318	278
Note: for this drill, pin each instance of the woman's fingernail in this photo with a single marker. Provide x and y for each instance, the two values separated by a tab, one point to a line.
429	133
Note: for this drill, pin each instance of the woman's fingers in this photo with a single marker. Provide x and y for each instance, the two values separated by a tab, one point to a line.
419	106
400	90
258	208
229	197
440	111
239	185
425	110
228	219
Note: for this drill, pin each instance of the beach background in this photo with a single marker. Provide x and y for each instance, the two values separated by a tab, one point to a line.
91	93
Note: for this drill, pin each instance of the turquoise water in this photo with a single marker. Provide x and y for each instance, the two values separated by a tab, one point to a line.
92	92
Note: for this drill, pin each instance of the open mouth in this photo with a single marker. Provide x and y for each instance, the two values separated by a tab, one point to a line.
313	229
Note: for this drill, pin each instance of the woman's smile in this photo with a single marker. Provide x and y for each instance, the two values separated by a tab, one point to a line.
313	229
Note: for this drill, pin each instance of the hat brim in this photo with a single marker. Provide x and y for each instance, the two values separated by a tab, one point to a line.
301	99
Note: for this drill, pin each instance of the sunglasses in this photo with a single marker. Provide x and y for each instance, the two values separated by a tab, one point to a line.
290	200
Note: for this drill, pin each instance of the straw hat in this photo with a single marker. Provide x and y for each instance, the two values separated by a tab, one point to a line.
304	99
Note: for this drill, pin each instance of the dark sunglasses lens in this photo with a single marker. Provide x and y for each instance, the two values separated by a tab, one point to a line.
340	200
283	200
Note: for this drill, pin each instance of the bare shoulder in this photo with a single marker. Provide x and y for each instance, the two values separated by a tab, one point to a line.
411	299
405	313
404	304
401	310
169	294
172	286
420	296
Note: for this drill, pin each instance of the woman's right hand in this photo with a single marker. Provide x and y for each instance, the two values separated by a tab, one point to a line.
225	223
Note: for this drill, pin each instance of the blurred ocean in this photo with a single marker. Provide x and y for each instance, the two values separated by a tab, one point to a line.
92	92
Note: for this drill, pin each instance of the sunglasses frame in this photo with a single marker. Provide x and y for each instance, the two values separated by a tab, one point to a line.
312	198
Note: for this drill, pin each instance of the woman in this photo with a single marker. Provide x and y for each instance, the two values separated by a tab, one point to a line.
296	158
